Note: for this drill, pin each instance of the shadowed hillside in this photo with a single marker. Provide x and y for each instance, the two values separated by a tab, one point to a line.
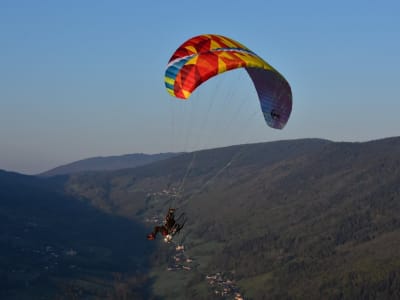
301	219
53	246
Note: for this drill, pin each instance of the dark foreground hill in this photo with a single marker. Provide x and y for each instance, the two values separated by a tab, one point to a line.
301	219
53	246
107	163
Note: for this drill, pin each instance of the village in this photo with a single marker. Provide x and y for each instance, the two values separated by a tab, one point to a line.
180	261
220	284
223	286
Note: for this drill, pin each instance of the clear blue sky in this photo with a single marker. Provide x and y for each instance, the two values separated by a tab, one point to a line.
85	78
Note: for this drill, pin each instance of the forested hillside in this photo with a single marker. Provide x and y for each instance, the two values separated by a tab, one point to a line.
300	219
291	219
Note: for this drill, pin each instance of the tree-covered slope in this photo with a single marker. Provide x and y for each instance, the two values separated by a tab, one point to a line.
290	219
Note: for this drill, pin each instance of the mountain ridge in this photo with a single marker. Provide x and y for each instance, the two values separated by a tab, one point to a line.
107	163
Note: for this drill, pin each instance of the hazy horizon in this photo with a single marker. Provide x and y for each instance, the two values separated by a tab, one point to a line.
155	153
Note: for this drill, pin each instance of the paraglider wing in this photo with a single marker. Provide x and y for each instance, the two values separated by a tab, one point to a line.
205	56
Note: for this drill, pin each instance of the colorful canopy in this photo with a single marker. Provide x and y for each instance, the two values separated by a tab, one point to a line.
205	56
